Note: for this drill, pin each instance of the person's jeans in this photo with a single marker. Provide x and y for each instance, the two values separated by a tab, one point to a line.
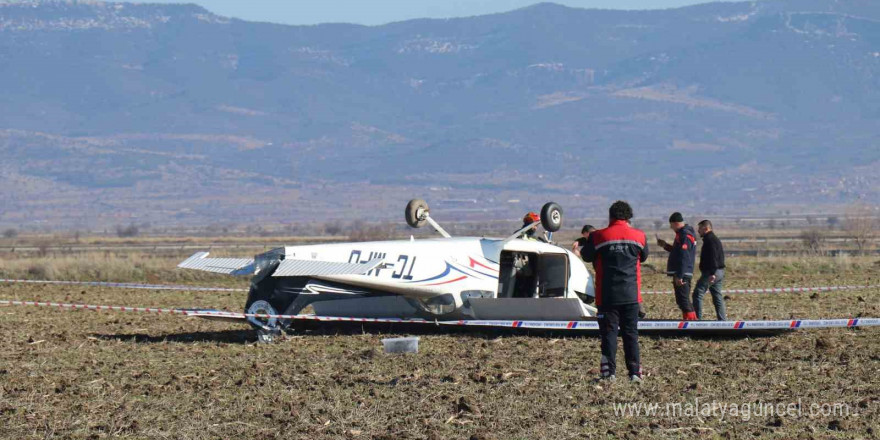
703	284
625	319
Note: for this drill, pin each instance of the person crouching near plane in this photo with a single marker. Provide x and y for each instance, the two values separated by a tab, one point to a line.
711	272
617	253
582	241
680	265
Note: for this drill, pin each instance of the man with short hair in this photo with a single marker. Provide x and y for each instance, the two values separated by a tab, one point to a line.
617	253
680	265
711	272
582	241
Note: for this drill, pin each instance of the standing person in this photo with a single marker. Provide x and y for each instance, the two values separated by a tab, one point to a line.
617	253
680	265
582	241
711	272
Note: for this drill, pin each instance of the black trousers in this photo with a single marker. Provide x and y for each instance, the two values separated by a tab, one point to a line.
626	319
683	295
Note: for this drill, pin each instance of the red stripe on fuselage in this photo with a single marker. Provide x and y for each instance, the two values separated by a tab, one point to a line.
475	262
447	282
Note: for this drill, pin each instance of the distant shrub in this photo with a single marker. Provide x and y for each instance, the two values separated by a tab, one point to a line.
37	271
10	233
127	231
833	221
361	231
334	228
42	248
861	224
813	240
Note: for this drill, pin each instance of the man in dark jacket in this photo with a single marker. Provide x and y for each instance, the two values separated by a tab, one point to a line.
582	241
617	253
711	272
680	265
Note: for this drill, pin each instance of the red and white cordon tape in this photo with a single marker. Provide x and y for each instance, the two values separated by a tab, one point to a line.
227	289
125	285
199	313
555	325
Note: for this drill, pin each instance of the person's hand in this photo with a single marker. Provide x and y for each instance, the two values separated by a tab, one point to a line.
677	281
660	241
712	279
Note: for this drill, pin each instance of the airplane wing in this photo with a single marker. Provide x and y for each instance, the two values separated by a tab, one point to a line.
286	268
299	268
228	266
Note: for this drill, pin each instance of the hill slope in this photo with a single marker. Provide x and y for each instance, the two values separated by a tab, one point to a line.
171	113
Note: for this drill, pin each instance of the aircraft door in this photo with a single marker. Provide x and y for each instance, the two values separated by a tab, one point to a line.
552	275
532	275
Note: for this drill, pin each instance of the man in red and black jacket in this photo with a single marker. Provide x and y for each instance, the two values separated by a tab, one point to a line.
617	253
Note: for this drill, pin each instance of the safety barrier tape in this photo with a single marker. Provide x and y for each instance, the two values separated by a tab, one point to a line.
93	307
688	325
226	289
199	313
778	289
556	325
126	285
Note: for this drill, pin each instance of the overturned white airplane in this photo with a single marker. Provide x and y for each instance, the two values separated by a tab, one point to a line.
445	278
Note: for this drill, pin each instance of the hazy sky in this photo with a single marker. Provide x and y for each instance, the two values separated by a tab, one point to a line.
383	11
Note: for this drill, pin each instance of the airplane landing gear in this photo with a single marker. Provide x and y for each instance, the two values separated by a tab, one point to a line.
267	328
267	336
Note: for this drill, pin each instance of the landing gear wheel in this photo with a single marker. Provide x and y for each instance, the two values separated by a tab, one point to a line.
267	328
551	217
416	213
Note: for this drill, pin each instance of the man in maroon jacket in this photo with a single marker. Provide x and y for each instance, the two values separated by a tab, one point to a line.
617	253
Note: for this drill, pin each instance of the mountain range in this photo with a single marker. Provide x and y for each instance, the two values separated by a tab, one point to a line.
169	114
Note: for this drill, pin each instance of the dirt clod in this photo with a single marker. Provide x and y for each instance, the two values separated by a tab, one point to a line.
478	377
467	405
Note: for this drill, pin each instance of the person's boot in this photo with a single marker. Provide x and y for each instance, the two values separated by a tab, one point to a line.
605	371
689	316
637	376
